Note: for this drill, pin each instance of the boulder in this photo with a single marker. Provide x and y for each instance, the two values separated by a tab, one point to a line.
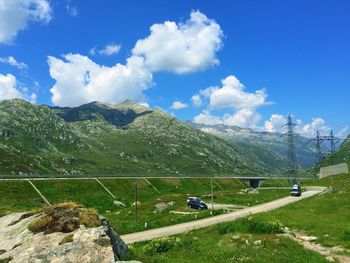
82	244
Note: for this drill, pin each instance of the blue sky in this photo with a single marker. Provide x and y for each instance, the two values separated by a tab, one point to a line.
277	57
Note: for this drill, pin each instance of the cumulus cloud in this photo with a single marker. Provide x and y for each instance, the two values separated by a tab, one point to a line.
232	94
16	14
184	47
10	88
108	50
206	118
80	80
275	123
246	118
310	129
178	105
13	62
196	100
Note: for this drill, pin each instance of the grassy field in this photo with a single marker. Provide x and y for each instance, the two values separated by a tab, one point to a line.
326	216
221	243
172	192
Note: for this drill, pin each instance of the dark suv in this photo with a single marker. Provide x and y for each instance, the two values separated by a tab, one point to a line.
196	202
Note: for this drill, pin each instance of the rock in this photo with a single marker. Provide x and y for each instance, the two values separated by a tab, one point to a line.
118	203
120	249
308	238
85	244
329	190
257	242
138	203
160	207
24	246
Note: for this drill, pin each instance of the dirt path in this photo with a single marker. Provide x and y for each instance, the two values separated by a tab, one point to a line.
185	227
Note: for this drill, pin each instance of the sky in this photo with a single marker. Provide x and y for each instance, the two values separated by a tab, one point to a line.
243	63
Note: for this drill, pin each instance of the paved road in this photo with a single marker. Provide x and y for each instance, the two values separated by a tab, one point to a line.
185	227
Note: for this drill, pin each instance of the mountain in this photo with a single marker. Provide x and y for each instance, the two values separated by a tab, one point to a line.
342	154
122	139
274	142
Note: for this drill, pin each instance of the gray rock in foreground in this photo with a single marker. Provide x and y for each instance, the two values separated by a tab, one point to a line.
18	244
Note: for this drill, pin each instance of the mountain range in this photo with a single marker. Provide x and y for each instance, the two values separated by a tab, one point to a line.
126	139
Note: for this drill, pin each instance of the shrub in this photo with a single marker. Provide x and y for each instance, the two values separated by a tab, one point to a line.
66	239
251	225
89	217
165	244
261	227
41	224
158	246
346	235
65	217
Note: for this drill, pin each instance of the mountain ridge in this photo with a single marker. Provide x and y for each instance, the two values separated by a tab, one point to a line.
125	138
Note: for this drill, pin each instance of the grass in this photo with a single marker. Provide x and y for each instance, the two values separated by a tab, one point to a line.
212	245
18	196
326	216
90	194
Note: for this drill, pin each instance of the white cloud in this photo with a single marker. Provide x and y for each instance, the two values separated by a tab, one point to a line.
144	104
71	10
8	87
178	105
232	95
206	118
16	14
183	47
275	123
246	118
110	49
196	100
13	62
80	80
310	129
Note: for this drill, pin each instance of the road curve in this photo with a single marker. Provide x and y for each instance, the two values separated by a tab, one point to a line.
201	223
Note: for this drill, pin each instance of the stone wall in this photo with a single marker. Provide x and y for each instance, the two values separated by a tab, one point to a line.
333	170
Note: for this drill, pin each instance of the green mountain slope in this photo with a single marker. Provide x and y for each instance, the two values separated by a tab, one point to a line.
116	139
342	155
274	142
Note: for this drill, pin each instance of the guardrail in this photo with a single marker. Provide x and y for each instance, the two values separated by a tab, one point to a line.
141	176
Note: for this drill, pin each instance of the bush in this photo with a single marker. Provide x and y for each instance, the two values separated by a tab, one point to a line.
65	217
67	239
260	227
251	225
346	235
165	244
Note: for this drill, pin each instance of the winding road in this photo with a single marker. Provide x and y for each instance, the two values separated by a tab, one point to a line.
202	223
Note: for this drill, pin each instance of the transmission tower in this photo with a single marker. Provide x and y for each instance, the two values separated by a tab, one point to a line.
325	145
291	135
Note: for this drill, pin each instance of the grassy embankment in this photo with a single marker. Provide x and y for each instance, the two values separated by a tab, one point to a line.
19	196
325	216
